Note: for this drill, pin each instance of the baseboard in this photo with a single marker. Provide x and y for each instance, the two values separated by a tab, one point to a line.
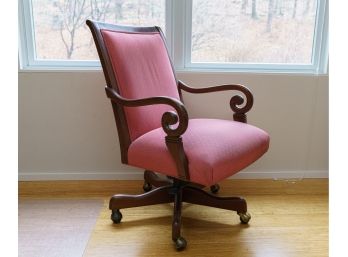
138	175
107	188
116	175
281	174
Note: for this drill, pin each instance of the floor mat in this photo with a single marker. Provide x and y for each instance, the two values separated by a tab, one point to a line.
56	228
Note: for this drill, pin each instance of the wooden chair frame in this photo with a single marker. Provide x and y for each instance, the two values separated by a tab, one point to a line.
179	189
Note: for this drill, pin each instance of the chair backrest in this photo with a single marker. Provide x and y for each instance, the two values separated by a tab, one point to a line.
136	64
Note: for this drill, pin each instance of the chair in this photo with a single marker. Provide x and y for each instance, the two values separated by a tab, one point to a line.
156	134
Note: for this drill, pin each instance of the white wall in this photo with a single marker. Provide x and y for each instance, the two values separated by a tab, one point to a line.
67	130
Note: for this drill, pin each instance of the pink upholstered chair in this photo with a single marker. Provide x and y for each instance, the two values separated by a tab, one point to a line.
156	134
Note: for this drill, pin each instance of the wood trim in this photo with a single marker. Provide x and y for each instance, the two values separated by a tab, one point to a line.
111	77
155	196
118	103
168	118
198	196
173	138
107	188
235	102
111	81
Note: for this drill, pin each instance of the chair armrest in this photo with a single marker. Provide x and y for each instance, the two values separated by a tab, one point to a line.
235	102
173	138
168	119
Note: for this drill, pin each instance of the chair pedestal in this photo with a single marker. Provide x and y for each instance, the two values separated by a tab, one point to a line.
152	179
172	190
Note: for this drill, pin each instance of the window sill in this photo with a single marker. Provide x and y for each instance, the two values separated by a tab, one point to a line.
52	69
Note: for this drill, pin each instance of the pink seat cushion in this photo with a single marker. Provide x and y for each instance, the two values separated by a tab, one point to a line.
142	67
216	149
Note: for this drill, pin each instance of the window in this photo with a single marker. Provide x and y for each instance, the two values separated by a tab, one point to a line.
241	35
57	33
61	33
256	35
263	31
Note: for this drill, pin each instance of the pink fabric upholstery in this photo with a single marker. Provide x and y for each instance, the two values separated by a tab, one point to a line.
215	149
143	69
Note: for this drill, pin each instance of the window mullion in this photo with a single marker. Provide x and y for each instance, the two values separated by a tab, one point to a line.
169	26
25	34
188	33
178	42
323	39
319	35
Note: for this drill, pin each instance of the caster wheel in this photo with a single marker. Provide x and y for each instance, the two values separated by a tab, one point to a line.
116	216
180	243
147	186
215	188
244	217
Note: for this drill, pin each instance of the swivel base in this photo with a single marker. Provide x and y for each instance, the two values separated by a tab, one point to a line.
172	190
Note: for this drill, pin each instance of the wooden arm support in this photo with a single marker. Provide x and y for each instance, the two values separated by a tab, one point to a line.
173	138
235	102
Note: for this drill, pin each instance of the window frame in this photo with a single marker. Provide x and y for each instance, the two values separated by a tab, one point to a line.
319	50
27	44
178	20
27	51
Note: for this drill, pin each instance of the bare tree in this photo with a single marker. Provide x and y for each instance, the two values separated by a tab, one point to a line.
72	18
278	9
314	5
139	11
244	6
99	9
308	6
270	15
118	10
294	9
152	10
253	9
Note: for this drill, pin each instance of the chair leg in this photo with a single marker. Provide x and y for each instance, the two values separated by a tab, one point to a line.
197	196
180	242
215	188
152	179
177	191
156	196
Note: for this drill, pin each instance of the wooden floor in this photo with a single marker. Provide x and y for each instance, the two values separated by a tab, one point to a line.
293	221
